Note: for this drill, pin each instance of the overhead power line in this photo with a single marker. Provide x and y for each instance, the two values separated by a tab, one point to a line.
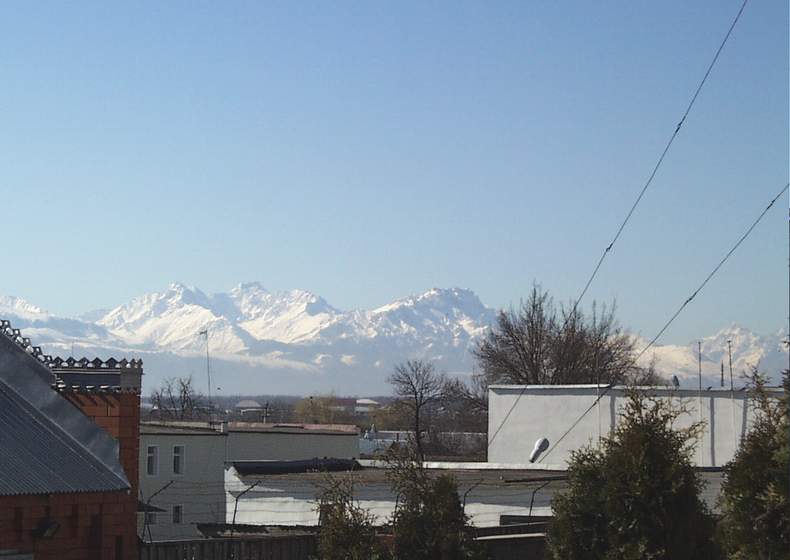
712	272
660	159
675	315
641	194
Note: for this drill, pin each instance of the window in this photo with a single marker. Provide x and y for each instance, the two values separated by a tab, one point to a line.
178	459
178	514
152	463
150	518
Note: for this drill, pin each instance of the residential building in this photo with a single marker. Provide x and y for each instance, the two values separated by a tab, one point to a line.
182	466
366	407
249	408
354	406
182	474
572	416
66	491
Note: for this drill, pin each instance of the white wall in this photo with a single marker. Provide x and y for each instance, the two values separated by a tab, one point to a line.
199	490
518	416
267	446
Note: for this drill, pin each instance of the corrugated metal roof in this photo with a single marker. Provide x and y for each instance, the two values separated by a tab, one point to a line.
38	458
46	444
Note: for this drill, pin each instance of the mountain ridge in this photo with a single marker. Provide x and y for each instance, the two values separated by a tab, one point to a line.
295	338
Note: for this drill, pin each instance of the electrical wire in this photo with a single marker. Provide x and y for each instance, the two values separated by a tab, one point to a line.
676	314
713	272
641	192
660	159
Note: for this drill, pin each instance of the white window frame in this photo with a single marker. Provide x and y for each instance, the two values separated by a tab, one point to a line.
148	449
173	514
183	456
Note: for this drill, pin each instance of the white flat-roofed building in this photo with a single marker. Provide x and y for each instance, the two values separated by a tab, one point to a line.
572	416
182	472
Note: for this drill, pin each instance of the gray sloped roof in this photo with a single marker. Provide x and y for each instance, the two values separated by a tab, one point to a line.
46	444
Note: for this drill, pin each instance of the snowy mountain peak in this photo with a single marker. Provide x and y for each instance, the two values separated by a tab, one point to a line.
448	300
16	306
249	287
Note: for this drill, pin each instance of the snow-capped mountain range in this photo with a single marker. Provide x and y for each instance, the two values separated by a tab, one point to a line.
296	342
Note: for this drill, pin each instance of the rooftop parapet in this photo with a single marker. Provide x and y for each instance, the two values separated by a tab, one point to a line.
72	374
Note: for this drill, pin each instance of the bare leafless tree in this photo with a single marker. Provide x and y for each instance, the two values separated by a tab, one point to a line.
177	399
469	399
541	344
418	387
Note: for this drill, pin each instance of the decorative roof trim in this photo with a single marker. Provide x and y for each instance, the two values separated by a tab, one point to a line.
15	335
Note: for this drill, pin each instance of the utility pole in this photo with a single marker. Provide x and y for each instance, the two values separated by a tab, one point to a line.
598	394
732	399
721	383
699	394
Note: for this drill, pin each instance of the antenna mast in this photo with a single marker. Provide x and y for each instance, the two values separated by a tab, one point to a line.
204	332
732	399
699	394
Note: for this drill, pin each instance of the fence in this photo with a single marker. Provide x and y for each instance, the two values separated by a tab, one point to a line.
498	541
292	547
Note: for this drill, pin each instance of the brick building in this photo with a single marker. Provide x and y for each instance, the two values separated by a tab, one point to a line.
68	455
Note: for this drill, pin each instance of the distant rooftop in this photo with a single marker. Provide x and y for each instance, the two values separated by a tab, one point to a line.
247	403
176	427
261	427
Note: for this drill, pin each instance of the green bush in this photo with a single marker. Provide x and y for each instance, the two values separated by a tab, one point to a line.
347	531
635	497
755	521
429	521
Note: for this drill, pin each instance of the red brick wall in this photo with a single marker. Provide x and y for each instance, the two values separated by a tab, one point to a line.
90	525
93	525
119	414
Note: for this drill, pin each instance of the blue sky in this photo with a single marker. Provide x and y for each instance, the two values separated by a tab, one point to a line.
369	150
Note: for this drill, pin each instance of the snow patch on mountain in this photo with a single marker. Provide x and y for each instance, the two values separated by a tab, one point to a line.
18	307
173	319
